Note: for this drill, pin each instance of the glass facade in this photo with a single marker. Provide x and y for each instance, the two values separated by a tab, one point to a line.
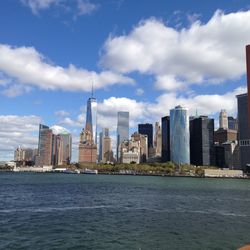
91	117
122	130
147	129
179	135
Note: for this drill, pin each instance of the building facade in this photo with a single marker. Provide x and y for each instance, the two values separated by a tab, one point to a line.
202	141
165	132
158	139
179	135
244	131
88	136
122	131
223	120
232	123
45	144
147	129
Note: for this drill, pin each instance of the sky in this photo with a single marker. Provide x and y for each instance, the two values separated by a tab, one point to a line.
142	56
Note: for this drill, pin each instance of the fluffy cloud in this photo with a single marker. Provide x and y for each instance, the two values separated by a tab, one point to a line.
37	5
31	68
210	52
17	131
85	7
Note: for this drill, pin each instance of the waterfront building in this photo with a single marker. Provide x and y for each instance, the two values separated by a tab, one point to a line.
223	120
107	153
232	154
44	146
244	131
202	141
100	147
143	145
130	152
147	129
165	132
122	131
157	140
232	123
66	140
88	136
244	120
179	135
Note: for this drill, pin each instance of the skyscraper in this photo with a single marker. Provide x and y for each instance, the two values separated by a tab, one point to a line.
232	123
244	131
107	153
179	135
66	139
45	145
244	119
147	129
202	141
165	132
88	137
122	130
157	140
223	120
91	117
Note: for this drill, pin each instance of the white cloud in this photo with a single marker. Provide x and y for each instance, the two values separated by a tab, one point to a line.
58	129
139	91
214	51
31	68
17	131
85	7
37	5
61	113
16	90
75	7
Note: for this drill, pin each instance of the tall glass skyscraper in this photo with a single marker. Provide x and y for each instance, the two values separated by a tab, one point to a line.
91	118
179	135
122	130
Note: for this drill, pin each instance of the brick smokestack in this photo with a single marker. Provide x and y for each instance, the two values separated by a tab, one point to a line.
248	79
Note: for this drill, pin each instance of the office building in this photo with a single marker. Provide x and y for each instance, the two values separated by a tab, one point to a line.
165	132
122	131
202	141
244	131
179	135
248	81
223	120
223	135
157	140
66	141
147	129
107	153
142	144
44	146
232	123
100	147
88	136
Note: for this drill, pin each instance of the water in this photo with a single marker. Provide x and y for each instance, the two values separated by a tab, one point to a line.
59	211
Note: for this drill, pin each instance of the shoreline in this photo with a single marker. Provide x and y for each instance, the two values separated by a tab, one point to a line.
125	174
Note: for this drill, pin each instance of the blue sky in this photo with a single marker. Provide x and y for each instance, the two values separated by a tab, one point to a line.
143	56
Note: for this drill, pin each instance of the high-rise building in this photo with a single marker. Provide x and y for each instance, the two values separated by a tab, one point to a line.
244	120
157	139
223	120
107	153
66	139
122	131
147	129
179	135
45	146
143	145
232	123
165	132
91	117
88	136
244	131
202	141
100	147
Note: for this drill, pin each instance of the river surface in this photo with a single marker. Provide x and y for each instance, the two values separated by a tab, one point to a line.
63	211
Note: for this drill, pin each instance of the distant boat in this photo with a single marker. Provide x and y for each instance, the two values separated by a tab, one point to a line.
90	171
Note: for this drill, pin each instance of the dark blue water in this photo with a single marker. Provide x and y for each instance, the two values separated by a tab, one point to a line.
59	211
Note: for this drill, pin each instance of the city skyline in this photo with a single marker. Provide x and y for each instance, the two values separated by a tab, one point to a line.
53	84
